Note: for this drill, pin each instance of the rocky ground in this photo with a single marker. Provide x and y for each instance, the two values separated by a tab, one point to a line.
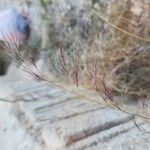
39	116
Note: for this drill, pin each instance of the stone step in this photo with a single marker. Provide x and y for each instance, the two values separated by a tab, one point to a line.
122	137
62	120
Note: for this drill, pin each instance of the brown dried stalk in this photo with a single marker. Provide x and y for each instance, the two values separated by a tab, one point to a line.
61	61
108	94
119	29
105	92
75	75
94	76
76	71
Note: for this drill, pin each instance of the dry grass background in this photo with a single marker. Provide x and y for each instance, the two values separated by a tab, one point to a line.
107	49
111	45
126	60
120	52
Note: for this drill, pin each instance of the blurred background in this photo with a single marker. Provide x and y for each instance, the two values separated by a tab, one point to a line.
98	48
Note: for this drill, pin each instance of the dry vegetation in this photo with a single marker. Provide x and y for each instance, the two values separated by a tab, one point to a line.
106	51
119	53
127	59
